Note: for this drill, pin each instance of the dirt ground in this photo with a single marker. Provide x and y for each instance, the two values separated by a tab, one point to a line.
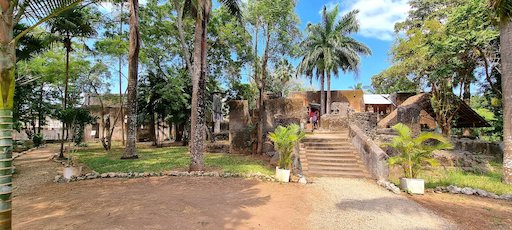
232	203
162	203
469	212
150	203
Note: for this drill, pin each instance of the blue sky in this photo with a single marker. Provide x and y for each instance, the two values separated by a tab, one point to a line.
377	19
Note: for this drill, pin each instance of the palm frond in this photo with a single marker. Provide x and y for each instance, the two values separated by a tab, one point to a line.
233	7
36	12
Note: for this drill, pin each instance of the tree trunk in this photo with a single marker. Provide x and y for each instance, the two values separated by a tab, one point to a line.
198	86
65	101
264	63
121	76
40	115
328	106
181	34
506	84
466	97
322	93
7	82
133	67
152	130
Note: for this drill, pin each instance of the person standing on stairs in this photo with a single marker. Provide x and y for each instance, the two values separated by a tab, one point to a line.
315	120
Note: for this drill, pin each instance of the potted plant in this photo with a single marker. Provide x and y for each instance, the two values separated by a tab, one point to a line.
414	153
285	139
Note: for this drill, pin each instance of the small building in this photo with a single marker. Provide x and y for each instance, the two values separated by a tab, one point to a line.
380	104
465	117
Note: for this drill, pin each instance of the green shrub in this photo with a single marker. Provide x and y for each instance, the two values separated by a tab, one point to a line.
38	139
285	139
414	152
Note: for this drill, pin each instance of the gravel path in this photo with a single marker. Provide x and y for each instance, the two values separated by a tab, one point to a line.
360	204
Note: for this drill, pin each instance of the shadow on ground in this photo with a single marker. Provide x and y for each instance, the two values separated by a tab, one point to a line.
157	203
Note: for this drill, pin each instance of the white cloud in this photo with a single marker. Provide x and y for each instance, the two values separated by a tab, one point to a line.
378	17
108	7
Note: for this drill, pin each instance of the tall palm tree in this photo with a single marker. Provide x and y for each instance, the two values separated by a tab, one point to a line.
330	44
36	13
75	22
504	10
200	11
312	62
133	71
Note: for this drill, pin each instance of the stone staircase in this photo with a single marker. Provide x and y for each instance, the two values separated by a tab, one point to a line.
325	153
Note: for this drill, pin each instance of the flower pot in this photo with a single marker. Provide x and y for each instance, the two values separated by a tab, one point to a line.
71	171
282	175
413	186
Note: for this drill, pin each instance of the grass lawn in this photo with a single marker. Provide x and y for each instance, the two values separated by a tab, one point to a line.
490	181
164	159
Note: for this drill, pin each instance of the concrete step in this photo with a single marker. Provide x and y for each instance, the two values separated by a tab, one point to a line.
320	144
335	168
323	158
322	131
331	154
349	164
320	139
337	174
330	149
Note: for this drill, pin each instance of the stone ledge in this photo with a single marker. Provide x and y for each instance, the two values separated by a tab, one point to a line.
470	191
95	175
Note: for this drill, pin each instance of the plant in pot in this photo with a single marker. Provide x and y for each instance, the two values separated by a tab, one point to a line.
285	139
414	154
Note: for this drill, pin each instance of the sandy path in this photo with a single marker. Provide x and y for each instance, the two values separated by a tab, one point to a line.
206	203
361	204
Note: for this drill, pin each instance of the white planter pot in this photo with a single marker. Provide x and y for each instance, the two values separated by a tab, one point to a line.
282	175
413	186
72	171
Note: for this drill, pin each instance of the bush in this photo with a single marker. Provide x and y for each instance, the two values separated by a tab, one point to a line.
285	139
414	152
38	139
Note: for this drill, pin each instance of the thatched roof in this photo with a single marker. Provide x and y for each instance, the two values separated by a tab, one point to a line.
465	117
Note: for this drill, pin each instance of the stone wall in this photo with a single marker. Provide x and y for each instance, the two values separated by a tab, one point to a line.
334	122
478	147
374	158
410	116
283	111
366	121
240	128
353	97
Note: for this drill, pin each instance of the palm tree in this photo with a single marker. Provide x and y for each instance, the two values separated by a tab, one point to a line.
35	13
200	11
414	153
75	22
133	70
504	10
330	44
312	62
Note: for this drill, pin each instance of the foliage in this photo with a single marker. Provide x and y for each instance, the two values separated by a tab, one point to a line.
414	152
329	47
440	48
489	181
285	139
388	82
492	113
75	119
38	139
165	159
